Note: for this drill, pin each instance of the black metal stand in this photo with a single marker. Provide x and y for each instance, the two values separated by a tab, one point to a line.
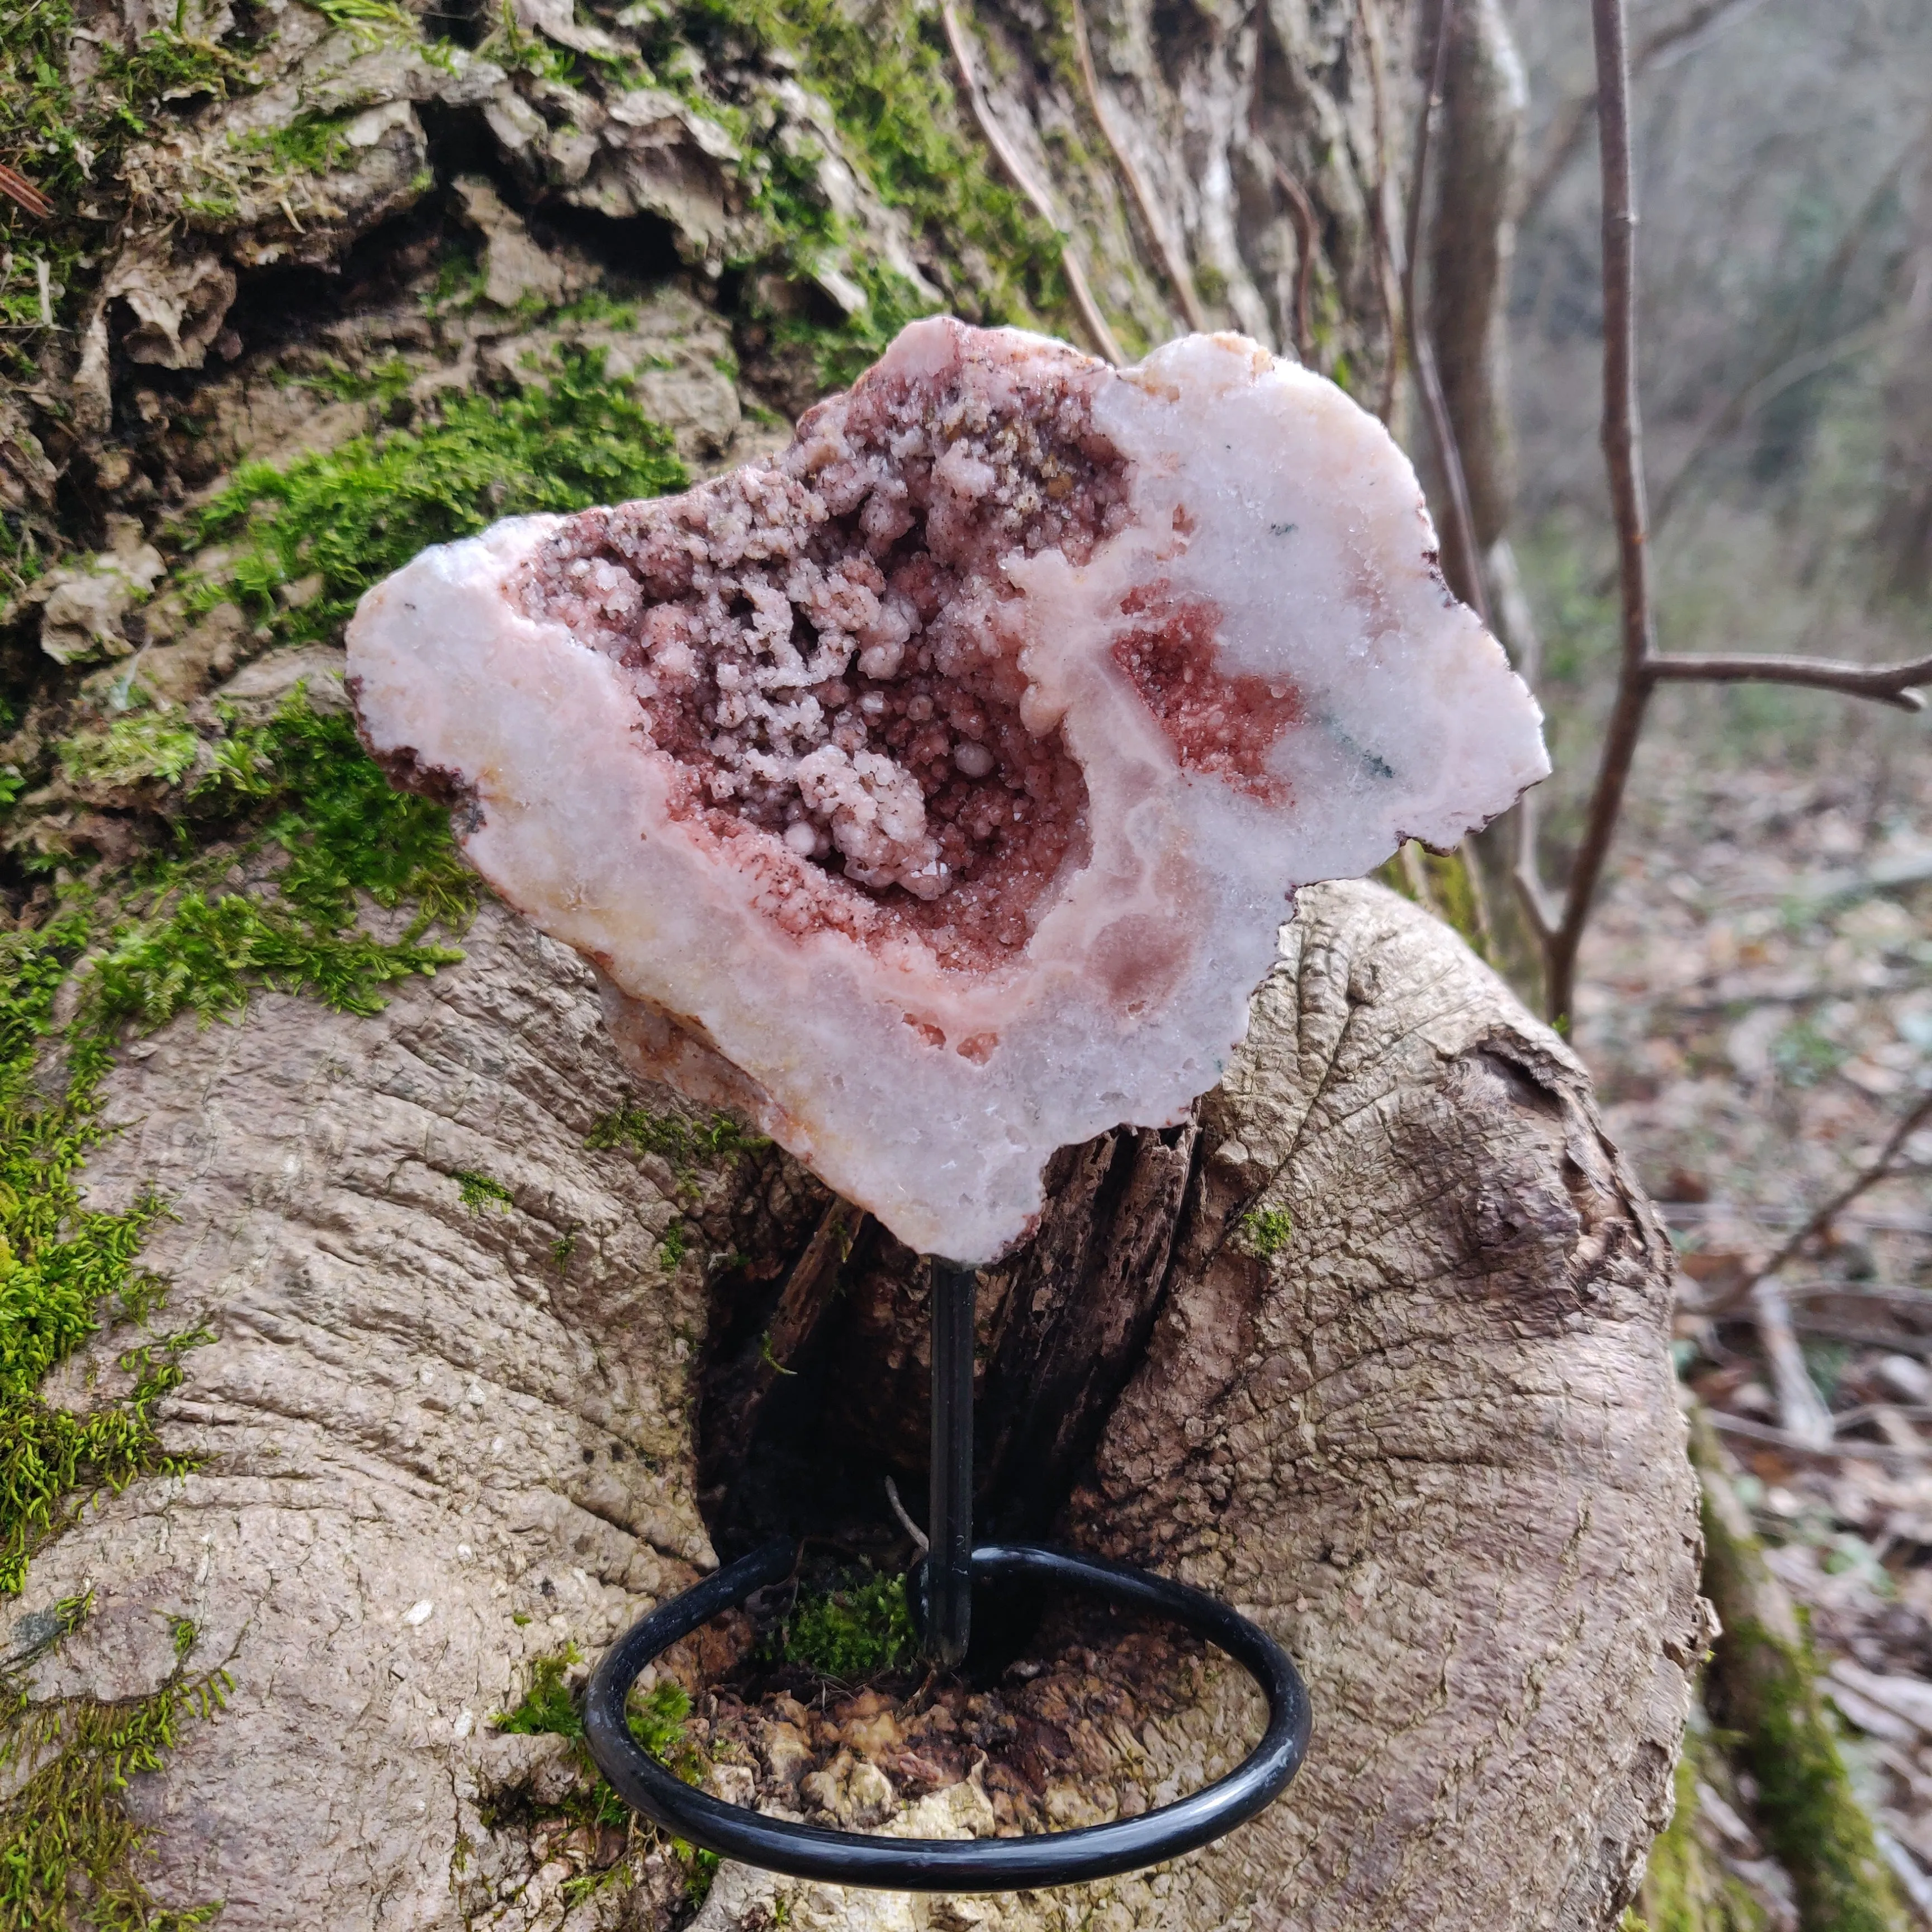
948	1575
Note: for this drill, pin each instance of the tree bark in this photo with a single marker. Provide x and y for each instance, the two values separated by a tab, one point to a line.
1430	1443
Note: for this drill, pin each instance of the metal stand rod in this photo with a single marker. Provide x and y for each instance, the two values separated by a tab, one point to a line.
948	1864
949	1563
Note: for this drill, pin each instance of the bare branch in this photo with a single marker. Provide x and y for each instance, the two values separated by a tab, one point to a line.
1916	1117
1008	158
1302	213
1179	275
1836	1451
1802	1412
1387	273
1466	565
1623	457
1571	121
920	1541
1897	684
1538	908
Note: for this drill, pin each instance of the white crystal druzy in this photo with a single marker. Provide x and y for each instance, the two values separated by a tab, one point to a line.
934	792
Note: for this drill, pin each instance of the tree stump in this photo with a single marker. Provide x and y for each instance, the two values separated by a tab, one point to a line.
1395	1383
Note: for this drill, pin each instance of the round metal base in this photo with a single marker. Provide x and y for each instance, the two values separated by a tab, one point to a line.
946	1865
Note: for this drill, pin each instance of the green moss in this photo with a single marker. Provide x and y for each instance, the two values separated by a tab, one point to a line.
63	1268
1766	1675
1672	1878
171	945
1685	1890
890	85
700	1868
212	210
658	1720
674	1246
1448	890
371	21
313	143
510	46
179	939
70	1855
1811	1820
1453	891
346	832
382	382
841	351
885	74
149	744
547	1709
684	1142
356	513
598	308
67	141
1267	1230
478	1191
858	1629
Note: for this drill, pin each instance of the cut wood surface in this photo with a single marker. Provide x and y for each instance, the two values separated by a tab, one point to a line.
1430	1441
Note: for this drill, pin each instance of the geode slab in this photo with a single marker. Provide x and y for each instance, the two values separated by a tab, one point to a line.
933	793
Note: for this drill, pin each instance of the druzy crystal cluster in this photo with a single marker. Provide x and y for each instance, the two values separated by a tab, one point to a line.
932	794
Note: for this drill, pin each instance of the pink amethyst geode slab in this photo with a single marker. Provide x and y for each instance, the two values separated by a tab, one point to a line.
934	792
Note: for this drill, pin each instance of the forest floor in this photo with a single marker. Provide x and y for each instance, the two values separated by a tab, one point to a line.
1757	1010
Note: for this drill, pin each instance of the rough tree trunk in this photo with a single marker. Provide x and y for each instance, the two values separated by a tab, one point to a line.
1430	1442
481	1351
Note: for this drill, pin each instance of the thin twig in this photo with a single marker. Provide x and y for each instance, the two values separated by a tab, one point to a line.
1834	1451
1802	1412
16	187
920	1540
1461	530
1571	121
1172	260
1623	457
1388	274
1866	1179
1897	684
1008	158
1301	212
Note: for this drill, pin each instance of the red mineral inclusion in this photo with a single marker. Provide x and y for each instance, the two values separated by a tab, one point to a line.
1223	726
826	650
